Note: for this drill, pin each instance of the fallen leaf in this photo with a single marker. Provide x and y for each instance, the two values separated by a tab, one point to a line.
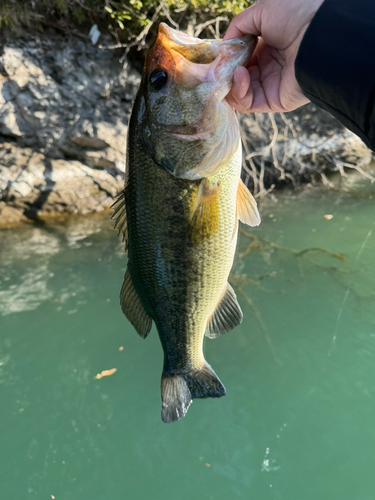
121	348
207	465
106	373
328	216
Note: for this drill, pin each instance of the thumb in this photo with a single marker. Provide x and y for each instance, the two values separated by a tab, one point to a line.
245	23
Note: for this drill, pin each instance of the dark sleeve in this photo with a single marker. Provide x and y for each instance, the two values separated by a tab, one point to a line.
335	65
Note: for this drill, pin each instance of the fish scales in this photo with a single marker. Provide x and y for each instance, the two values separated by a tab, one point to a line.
180	282
182	207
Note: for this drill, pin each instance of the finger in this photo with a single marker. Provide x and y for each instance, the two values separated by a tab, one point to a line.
254	99
267	78
245	23
260	102
242	90
253	61
233	32
240	87
241	83
235	105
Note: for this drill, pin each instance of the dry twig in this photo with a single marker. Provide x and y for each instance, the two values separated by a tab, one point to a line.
198	30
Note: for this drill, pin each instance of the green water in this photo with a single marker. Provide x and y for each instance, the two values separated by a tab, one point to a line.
298	421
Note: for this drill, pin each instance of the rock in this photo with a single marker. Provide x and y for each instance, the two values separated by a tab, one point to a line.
10	215
62	90
64	108
45	186
98	135
8	90
8	121
89	142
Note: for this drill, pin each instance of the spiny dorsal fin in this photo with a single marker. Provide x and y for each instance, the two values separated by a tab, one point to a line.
246	206
132	308
204	222
227	315
119	215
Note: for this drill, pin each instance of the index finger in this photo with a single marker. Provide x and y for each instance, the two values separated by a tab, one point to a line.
245	23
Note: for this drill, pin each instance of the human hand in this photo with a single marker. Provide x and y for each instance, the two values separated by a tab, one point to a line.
268	82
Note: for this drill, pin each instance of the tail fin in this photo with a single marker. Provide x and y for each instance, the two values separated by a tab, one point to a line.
177	391
204	383
176	398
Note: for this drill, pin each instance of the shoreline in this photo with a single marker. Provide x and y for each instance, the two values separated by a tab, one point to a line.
355	186
64	111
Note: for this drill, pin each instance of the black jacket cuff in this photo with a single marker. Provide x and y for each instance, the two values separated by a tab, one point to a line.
335	65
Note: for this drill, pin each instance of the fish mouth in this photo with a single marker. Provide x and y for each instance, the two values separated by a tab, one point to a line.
207	61
205	51
193	61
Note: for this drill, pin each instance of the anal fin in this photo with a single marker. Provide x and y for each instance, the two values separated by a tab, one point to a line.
227	315
133	309
247	206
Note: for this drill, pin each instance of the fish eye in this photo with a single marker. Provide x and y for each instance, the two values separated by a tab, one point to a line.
158	78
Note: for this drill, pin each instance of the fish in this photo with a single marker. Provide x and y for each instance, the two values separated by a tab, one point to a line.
180	207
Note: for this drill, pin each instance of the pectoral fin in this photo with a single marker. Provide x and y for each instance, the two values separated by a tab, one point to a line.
246	206
204	221
132	308
227	315
119	215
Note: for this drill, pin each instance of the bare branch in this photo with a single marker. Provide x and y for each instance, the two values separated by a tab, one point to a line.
264	192
341	164
168	16
325	180
140	40
289	124
201	27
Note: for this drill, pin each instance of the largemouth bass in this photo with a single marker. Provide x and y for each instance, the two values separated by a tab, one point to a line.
180	208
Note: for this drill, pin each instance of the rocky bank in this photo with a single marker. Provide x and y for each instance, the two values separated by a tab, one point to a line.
64	109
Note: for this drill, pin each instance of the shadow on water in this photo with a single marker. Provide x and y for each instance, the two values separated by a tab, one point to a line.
32	211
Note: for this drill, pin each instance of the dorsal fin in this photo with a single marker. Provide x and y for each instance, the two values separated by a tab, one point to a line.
246	206
119	215
204	221
227	315
133	309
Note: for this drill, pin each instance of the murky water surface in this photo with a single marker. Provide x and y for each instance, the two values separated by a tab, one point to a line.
298	421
